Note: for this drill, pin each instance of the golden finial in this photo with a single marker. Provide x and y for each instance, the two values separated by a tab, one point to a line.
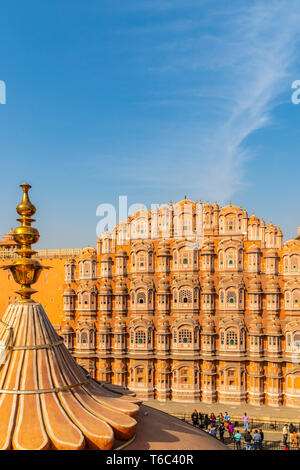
26	270
185	196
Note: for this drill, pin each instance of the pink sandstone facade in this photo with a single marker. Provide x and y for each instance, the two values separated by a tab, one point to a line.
188	302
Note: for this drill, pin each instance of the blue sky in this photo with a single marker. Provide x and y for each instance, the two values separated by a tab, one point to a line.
151	99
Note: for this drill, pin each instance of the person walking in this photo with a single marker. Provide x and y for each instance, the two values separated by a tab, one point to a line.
295	440
262	439
227	417
246	420
195	418
292	428
221	432
248	440
206	421
201	417
256	440
237	440
230	430
285	434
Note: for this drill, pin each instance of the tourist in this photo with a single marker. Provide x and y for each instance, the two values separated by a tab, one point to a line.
206	421
213	430
213	419
230	430
195	418
262	438
221	431
237	440
227	417
295	440
248	440
256	440
285	434
201	417
221	418
292	428
246	420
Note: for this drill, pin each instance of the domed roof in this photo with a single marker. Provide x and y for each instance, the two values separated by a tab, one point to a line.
69	291
254	285
103	325
272	285
253	219
255	327
273	327
67	329
121	254
106	258
8	239
208	325
271	254
121	287
163	324
207	205
105	288
163	248
164	284
119	325
208	248
64	409
231	209
88	253
253	249
271	227
208	285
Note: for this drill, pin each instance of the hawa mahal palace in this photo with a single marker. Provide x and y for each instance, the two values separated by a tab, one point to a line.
188	302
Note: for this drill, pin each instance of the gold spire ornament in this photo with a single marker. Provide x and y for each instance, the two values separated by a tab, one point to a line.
26	270
48	401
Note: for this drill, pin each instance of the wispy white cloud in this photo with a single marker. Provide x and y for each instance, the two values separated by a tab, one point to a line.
252	53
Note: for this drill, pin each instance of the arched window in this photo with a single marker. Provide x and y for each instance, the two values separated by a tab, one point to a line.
185	335
296	297
222	337
84	337
185	296
294	263
297	341
231	297
287	298
231	338
140	337
231	256
141	298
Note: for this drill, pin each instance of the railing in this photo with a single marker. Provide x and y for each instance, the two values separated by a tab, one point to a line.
56	253
256	423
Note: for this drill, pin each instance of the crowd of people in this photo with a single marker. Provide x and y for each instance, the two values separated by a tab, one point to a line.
290	436
221	426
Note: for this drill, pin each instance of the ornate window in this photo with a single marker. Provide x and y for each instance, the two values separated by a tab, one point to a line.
84	337
231	338
140	337
231	297
185	336
294	263
141	298
185	296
